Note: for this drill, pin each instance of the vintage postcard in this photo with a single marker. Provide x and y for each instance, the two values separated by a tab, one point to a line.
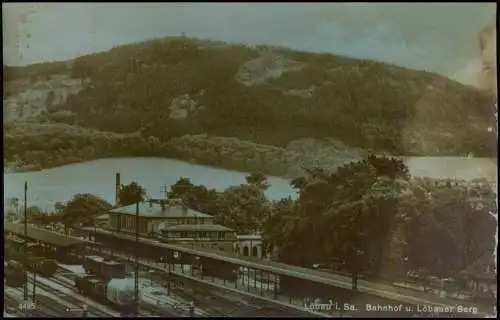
250	159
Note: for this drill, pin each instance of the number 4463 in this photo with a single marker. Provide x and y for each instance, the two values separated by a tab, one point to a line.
27	306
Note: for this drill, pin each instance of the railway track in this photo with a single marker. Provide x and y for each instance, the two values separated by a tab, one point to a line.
146	309
11	305
218	305
44	306
77	300
59	295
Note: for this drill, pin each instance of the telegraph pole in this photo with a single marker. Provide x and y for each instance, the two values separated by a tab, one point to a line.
26	237
34	287
136	282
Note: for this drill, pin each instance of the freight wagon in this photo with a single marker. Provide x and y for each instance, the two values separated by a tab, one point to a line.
103	268
29	256
15	274
117	293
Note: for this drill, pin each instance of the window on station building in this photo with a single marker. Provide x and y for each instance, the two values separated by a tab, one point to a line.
203	234
221	235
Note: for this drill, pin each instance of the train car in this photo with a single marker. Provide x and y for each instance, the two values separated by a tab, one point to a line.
121	292
72	257
113	269
103	267
43	266
28	254
13	247
92	264
117	293
39	263
65	255
15	274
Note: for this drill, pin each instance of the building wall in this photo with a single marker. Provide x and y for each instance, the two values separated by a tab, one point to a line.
176	221
205	235
153	225
225	246
251	246
126	223
214	240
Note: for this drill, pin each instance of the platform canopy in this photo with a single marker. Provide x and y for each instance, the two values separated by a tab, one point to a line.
45	236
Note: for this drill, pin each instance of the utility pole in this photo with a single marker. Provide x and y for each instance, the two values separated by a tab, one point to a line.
25	237
191	309
34	287
136	282
164	191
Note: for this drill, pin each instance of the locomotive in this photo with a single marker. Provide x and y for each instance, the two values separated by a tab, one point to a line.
117	293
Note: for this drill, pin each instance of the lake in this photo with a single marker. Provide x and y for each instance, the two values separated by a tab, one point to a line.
98	177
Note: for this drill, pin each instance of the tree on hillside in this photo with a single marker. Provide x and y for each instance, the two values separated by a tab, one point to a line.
242	208
298	183
81	69
59	207
83	208
258	179
131	193
181	187
202	199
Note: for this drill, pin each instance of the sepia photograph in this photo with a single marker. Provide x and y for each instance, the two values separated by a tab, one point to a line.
250	160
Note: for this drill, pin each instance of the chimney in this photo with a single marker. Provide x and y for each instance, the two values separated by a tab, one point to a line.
117	189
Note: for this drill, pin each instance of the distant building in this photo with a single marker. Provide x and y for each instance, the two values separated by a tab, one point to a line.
102	221
249	246
172	221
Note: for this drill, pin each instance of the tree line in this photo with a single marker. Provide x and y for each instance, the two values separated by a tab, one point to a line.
369	218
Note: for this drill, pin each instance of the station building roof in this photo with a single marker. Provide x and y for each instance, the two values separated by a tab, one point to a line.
156	209
46	236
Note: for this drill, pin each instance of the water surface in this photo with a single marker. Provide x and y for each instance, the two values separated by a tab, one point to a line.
98	177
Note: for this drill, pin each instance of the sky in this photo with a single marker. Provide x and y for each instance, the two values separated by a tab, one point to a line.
438	37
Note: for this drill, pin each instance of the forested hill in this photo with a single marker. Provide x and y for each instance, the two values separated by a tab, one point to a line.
264	96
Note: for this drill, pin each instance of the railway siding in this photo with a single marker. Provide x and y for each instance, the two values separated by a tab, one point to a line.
211	285
382	291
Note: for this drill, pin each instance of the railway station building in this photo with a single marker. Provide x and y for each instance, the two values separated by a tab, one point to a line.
170	220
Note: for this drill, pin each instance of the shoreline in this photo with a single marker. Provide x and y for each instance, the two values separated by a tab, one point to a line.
9	169
21	169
